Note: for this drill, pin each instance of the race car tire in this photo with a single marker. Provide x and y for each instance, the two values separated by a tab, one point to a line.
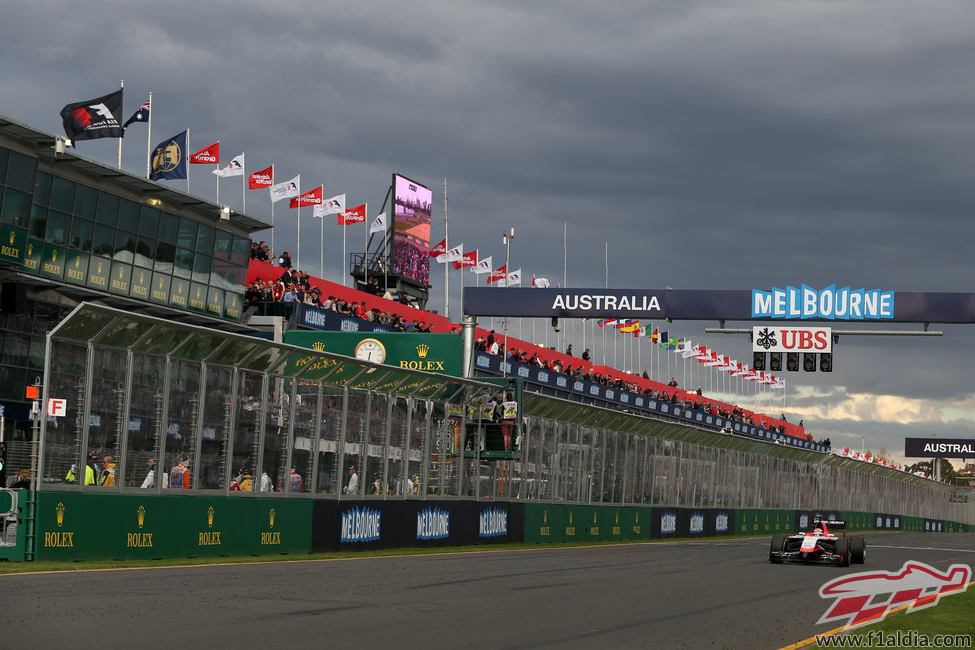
778	545
858	550
843	550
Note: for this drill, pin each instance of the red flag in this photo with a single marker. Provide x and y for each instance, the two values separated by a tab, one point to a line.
498	274
308	198
207	155
469	259
439	249
353	215
261	179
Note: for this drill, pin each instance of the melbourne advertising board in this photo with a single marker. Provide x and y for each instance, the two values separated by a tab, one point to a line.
832	303
439	353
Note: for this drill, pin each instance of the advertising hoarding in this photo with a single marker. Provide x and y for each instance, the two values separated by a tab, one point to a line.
939	447
412	210
791	339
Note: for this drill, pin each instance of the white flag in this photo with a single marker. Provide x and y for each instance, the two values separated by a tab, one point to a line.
689	351
540	283
513	279
483	266
334	205
378	224
453	255
285	190
235	168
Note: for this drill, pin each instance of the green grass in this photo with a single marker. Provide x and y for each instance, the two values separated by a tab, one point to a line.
33	567
952	615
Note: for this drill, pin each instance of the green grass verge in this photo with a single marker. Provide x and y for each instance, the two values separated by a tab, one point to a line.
953	615
34	567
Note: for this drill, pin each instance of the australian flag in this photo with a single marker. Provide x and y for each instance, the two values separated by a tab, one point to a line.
169	159
141	115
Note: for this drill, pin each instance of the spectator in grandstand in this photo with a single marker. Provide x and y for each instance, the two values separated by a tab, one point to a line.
246	482
107	477
699	391
673	382
295	482
179	475
285	260
21	481
352	485
266	484
490	338
568	350
586	356
150	479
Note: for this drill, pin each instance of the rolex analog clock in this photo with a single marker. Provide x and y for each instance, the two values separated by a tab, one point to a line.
370	350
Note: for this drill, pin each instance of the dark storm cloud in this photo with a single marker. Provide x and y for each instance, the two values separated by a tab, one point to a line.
714	145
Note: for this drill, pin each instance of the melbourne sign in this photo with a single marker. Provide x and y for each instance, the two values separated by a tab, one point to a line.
939	448
833	303
802	303
791	339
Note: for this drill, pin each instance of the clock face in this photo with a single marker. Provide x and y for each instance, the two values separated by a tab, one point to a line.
370	350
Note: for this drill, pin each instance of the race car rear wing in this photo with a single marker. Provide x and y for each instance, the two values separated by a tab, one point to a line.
835	524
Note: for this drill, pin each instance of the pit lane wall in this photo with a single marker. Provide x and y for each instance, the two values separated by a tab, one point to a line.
75	526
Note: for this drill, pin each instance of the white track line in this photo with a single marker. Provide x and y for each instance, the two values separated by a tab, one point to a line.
926	548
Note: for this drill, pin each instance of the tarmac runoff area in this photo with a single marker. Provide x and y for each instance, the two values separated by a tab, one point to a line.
721	594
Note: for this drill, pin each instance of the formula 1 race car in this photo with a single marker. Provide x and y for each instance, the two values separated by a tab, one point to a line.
819	545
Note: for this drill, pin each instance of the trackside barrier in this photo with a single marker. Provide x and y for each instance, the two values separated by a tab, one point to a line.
398	523
85	526
13	532
81	526
557	523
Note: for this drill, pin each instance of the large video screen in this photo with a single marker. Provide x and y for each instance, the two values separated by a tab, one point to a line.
412	204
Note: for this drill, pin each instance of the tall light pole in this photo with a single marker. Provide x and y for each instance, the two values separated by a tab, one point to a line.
506	240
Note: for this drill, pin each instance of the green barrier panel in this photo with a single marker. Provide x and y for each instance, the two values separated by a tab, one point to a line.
76	526
762	522
547	523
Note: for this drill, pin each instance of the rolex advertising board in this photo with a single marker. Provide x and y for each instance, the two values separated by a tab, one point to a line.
439	353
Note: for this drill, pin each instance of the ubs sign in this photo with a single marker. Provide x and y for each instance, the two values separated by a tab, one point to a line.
791	339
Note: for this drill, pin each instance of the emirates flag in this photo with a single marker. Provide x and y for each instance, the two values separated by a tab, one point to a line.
353	216
439	249
207	155
308	198
333	205
467	259
499	274
261	179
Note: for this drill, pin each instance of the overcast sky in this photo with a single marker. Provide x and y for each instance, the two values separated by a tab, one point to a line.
712	144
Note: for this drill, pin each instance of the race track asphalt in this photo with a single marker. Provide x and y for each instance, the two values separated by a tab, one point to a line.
670	595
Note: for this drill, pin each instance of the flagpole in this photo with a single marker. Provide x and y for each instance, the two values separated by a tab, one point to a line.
321	249
243	182
606	286
121	85
565	258
218	176
149	136
298	243
365	254
273	252
345	227
446	271
186	155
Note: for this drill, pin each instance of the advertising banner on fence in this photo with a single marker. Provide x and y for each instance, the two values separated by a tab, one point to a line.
939	447
791	339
